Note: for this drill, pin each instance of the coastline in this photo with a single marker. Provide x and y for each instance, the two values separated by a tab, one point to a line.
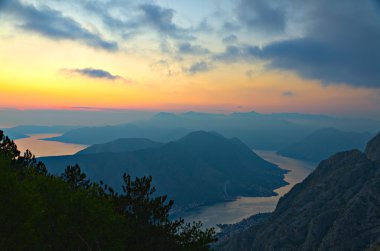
244	207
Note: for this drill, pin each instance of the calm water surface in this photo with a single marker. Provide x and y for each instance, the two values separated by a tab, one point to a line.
243	207
229	212
41	148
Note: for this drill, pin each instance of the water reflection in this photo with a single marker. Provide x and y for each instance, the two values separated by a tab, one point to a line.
243	207
42	148
229	212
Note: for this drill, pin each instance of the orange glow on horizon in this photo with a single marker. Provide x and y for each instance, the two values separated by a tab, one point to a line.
32	78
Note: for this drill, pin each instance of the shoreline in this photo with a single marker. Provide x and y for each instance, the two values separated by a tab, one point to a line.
40	147
244	207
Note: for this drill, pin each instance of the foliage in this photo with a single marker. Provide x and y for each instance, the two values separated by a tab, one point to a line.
75	178
39	211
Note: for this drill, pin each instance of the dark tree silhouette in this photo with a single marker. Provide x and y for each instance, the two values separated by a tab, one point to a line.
75	177
39	211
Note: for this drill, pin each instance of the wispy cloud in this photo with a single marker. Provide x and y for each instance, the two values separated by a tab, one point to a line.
92	73
198	67
187	48
163	67
234	53
161	19
330	41
53	24
230	39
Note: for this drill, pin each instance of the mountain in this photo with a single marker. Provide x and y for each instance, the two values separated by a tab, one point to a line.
104	134
258	131
21	131
81	116
324	142
335	208
373	149
39	211
200	168
121	145
14	134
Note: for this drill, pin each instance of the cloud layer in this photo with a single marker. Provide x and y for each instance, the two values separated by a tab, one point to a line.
262	15
53	24
93	73
335	42
199	67
340	43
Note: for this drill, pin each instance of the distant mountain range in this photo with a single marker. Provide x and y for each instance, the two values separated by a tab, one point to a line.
324	142
335	208
200	168
104	134
258	131
121	145
22	131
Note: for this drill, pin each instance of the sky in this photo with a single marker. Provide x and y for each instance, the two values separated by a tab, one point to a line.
210	55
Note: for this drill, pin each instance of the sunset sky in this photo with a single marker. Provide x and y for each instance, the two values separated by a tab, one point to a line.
204	55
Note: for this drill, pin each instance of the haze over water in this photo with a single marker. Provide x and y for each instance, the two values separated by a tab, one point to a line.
222	213
41	148
243	207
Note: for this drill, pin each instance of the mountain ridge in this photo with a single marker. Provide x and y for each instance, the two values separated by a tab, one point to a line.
259	131
324	142
121	145
192	170
334	208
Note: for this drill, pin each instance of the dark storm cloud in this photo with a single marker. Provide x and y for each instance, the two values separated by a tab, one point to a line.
93	73
340	43
261	15
187	48
54	25
199	67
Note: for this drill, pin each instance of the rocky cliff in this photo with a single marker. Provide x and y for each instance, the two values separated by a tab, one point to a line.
336	208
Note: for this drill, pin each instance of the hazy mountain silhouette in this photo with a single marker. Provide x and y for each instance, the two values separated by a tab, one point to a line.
202	167
324	142
21	131
121	145
104	134
335	208
258	131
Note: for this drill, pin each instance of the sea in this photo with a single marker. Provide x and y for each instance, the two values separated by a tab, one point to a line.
228	212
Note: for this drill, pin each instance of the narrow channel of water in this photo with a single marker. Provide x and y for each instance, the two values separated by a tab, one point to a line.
42	148
225	213
243	207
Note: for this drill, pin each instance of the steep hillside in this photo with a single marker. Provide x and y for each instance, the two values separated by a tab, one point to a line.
335	208
200	168
39	211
